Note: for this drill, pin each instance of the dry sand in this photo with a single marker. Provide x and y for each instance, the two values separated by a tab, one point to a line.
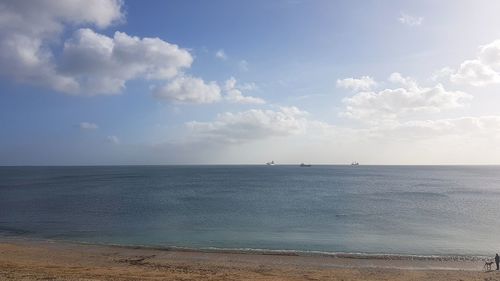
48	260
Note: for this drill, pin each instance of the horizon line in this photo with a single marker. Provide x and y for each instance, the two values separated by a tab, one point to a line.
240	164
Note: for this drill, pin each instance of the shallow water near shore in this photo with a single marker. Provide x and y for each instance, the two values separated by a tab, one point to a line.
365	210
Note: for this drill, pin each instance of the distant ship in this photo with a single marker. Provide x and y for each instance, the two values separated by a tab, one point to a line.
354	164
270	163
305	165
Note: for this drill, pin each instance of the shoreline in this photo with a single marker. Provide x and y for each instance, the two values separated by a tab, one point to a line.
30	259
259	251
295	253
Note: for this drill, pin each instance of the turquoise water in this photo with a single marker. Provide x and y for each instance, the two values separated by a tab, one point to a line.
419	210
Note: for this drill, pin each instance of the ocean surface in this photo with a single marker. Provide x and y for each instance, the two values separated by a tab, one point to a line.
403	210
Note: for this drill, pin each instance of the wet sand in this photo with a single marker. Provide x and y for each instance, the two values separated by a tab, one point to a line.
49	260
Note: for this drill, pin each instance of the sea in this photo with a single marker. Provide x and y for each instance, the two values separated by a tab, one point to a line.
327	209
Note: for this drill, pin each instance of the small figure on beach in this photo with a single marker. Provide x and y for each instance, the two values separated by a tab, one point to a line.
497	260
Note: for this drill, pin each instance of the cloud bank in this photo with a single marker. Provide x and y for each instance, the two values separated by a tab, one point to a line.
250	125
409	97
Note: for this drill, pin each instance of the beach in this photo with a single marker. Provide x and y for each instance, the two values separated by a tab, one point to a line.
249	140
248	223
22	259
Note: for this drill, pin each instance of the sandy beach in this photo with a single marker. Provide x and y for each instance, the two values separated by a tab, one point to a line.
49	260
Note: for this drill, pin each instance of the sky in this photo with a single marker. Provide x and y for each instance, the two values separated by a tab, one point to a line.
109	82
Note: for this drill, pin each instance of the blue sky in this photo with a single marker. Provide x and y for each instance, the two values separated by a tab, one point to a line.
236	82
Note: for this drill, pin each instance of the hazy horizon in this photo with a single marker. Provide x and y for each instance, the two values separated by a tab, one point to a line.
259	164
245	82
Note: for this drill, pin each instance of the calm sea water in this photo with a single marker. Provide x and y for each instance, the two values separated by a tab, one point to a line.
422	210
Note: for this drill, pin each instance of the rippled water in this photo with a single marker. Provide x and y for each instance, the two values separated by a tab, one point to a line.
422	210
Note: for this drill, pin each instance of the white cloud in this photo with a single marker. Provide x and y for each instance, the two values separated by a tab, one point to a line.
410	98
44	19
103	64
187	89
362	84
481	71
220	54
88	126
28	29
410	20
475	73
90	63
490	54
233	93
250	125
407	82
113	139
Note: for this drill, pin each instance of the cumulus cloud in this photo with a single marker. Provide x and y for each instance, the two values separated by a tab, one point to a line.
88	126
103	64
28	29
362	84
250	125
90	63
43	19
410	20
220	54
407	82
480	71
475	73
187	89
233	93
490	54
391	103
